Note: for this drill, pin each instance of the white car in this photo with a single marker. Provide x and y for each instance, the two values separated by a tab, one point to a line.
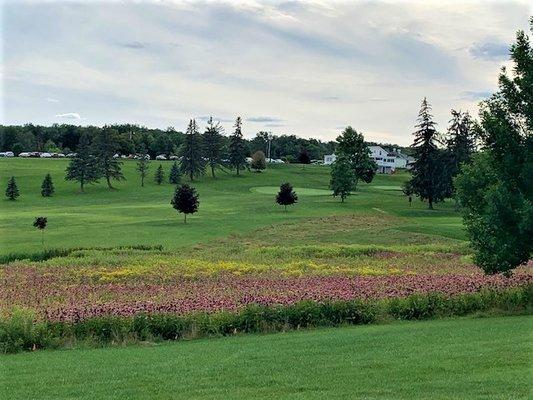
25	154
7	154
160	157
173	158
71	155
45	155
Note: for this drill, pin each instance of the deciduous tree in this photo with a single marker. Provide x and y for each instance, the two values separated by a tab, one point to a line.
258	161
143	164
352	147
342	178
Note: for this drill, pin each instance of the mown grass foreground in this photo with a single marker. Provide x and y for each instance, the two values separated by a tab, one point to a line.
445	359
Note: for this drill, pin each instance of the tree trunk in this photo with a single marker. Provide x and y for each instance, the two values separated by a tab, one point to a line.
237	171
142	181
42	237
185	218
81	186
108	182
430	204
213	171
285	207
191	176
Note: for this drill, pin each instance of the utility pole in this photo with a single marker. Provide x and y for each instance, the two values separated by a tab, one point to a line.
269	144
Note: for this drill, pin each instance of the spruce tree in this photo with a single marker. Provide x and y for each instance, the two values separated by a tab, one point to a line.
286	195
106	144
47	187
185	200
352	147
174	176
191	152
213	145
12	191
83	167
342	178
237	148
159	175
143	164
429	179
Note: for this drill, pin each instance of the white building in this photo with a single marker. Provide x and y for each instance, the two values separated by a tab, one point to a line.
386	161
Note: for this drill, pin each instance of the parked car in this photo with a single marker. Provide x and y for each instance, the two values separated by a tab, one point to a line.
25	154
7	154
71	155
173	158
161	157
45	155
35	154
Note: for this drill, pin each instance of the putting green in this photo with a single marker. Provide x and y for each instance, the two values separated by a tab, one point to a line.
386	187
299	191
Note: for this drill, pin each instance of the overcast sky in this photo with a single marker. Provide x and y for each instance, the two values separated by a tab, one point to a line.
303	68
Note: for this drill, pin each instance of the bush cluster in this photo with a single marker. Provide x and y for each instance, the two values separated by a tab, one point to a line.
20	331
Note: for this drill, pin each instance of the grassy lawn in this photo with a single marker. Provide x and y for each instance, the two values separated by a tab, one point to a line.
444	359
229	206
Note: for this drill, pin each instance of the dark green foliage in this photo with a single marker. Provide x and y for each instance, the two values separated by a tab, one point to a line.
237	148
185	200
213	145
143	164
352	147
429	170
407	189
12	191
106	144
286	195
258	161
159	175
191	152
303	157
496	190
20	331
47	187
342	178
84	166
174	176
40	223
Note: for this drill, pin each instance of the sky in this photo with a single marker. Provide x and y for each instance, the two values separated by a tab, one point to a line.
306	68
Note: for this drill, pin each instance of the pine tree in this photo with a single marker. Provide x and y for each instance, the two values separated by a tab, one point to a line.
342	178
213	145
185	200
258	163
352	147
460	144
47	187
174	176
12	191
191	152
106	144
286	195
429	181
84	166
143	164
159	175
237	148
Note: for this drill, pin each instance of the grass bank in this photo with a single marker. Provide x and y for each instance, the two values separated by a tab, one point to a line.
444	359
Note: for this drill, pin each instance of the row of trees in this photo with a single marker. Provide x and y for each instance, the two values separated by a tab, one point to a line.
133	139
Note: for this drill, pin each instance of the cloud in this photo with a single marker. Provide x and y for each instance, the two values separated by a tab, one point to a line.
474	95
51	100
264	119
68	116
274	125
205	118
490	50
133	45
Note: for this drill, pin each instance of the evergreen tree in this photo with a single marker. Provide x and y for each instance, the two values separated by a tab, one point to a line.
143	164
83	167
106	144
159	175
407	189
342	178
40	223
352	147
495	189
185	200
174	176
429	179
47	187
12	191
286	195
192	161
213	145
303	157
237	148
258	161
